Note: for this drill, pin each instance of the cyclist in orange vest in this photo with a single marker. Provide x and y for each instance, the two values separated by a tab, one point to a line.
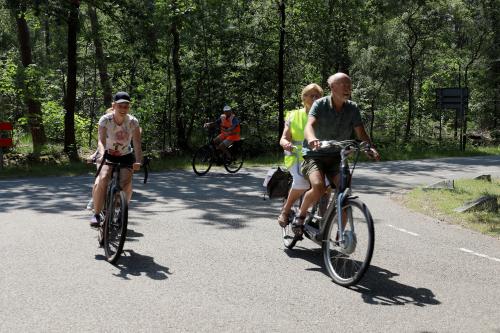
229	130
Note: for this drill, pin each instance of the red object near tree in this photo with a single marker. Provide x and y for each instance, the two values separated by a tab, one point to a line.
5	138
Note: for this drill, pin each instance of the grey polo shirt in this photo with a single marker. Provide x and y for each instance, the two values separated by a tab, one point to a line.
332	125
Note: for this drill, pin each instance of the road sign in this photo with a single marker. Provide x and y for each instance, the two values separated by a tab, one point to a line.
457	99
452	98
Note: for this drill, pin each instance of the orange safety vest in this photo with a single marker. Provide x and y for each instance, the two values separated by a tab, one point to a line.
226	123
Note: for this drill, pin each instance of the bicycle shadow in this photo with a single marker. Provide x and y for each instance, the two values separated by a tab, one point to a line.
377	287
132	263
132	235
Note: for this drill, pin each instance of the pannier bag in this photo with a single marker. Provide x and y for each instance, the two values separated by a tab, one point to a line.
277	183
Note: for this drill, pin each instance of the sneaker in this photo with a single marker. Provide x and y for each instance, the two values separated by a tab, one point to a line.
95	221
90	204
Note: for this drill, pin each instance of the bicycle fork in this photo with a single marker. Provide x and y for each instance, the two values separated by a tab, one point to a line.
341	197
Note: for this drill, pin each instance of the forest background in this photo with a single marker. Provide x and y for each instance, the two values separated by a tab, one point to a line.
182	60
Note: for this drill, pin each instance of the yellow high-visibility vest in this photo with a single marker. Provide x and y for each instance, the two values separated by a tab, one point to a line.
298	120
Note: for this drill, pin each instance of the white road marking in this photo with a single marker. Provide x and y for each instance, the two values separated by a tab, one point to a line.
479	254
404	230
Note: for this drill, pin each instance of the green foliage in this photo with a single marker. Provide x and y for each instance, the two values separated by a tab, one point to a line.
53	116
396	53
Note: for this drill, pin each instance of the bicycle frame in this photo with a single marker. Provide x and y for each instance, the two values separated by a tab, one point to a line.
339	197
114	185
347	253
344	190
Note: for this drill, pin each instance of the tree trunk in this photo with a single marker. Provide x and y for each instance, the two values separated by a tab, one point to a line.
179	117
34	115
70	100
410	86
281	70
100	58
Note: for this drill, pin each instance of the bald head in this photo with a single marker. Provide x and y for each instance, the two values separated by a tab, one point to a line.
341	87
338	77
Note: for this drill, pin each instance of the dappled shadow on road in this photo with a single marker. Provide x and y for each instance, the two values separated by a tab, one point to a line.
46	195
378	288
132	263
132	236
220	199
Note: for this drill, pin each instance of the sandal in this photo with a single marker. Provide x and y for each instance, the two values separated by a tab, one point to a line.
283	219
298	225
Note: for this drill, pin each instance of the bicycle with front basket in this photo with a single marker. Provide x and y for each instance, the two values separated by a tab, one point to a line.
112	230
344	229
208	155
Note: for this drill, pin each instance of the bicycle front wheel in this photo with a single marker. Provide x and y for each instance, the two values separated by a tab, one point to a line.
202	160
115	227
235	163
347	258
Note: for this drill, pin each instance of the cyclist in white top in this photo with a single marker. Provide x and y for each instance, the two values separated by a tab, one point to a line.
117	130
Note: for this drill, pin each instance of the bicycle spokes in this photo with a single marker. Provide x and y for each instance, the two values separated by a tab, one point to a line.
348	251
115	228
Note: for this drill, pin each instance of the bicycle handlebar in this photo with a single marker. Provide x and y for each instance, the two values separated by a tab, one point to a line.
348	146
345	144
145	165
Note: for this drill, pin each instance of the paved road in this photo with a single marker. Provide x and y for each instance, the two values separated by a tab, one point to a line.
205	254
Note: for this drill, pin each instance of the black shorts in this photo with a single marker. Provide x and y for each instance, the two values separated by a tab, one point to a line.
128	159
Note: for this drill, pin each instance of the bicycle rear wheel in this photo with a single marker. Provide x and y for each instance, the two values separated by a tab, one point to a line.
202	160
235	163
347	261
115	227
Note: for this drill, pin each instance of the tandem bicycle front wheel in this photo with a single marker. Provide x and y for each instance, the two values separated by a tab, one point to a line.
115	226
347	261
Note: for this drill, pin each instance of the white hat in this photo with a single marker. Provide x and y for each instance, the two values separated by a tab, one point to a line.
226	108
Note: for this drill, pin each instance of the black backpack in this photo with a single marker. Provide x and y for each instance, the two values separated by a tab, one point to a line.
279	184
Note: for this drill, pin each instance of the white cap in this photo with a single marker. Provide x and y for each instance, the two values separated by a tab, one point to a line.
226	108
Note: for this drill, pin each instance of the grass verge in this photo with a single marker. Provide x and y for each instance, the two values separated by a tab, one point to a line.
440	204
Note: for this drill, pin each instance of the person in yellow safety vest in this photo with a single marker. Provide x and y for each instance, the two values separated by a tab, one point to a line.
291	141
229	130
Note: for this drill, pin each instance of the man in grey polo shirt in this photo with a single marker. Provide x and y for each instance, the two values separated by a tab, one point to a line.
333	117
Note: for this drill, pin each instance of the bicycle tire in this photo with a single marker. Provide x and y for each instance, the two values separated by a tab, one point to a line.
347	263
202	160
237	158
100	231
115	226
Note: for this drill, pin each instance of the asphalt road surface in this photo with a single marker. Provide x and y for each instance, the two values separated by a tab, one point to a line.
204	254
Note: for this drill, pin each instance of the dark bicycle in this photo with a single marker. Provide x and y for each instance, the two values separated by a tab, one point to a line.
341	224
112	230
208	154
